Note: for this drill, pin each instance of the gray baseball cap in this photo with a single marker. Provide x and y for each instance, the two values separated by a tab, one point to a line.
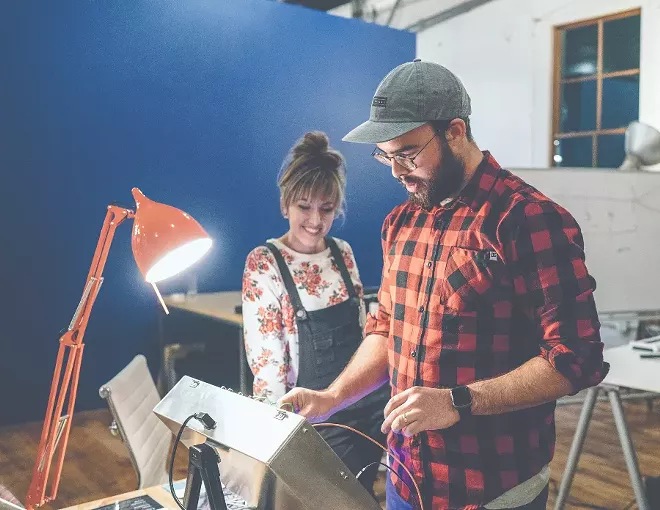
411	95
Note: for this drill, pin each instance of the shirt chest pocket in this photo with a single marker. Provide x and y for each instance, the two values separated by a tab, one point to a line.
468	281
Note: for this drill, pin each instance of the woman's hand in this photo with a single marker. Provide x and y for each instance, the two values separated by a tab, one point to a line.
316	406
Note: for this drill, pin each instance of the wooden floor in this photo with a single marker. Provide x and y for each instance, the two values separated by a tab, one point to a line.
97	464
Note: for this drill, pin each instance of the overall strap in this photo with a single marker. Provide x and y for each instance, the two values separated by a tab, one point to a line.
289	284
341	265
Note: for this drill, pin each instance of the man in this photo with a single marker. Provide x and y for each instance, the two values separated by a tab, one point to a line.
486	313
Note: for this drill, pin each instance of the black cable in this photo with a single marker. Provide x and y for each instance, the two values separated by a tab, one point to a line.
176	442
368	466
208	423
393	471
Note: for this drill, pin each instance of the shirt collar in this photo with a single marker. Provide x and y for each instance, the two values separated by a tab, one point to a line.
476	190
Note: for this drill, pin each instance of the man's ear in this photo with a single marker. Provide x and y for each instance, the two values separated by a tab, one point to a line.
456	130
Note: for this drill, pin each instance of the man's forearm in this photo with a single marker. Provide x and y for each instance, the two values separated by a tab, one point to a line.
366	372
533	383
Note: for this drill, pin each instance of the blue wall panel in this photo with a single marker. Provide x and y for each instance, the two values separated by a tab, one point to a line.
196	102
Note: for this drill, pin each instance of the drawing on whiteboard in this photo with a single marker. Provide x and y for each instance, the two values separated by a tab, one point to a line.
619	216
598	215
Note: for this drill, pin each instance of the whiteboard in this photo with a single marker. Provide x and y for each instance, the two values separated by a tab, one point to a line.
619	214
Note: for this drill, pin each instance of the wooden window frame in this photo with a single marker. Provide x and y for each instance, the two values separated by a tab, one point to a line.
558	81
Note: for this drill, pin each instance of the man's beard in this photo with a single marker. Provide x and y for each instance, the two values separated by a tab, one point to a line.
446	180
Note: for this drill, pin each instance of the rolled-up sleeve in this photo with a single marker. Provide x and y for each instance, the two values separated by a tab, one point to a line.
378	323
552	284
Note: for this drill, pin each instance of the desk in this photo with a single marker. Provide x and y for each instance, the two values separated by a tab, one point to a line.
627	370
219	306
161	495
158	493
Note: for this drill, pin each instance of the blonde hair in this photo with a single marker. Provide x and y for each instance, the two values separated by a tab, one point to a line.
313	168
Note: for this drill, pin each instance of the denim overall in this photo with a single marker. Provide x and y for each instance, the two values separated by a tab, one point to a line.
328	338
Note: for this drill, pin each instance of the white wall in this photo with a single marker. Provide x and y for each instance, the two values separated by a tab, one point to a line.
503	52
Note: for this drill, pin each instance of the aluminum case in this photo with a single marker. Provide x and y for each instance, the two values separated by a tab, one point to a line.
273	459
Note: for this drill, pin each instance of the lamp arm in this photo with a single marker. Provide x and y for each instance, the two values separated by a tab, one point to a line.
56	427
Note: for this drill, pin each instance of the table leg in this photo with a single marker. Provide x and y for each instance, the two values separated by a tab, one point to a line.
576	447
628	448
242	369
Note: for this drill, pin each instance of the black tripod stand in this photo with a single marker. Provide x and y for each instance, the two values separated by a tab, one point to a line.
203	466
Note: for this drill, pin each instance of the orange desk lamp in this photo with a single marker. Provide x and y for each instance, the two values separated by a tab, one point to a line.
165	241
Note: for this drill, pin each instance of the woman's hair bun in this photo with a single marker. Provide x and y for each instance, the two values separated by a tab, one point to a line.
311	168
313	144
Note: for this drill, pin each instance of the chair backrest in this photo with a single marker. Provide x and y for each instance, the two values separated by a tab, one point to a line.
131	396
8	501
9	505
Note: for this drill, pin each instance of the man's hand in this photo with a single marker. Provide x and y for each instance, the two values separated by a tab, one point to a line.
316	406
417	409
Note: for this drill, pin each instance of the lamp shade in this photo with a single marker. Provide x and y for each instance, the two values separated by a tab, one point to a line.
642	144
165	240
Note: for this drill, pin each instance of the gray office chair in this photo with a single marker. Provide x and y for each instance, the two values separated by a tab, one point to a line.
8	501
131	397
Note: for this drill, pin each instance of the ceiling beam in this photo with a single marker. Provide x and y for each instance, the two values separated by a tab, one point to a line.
393	12
446	15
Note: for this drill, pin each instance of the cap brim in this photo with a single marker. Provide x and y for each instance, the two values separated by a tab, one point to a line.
376	132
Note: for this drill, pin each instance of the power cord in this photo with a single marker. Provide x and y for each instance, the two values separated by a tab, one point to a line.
388	467
208	423
412	478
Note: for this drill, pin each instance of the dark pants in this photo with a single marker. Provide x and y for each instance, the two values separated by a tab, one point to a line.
394	501
354	450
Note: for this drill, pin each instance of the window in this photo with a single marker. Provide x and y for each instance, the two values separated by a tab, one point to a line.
596	91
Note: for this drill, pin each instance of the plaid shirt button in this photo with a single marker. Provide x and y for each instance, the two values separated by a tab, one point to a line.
421	309
440	224
413	353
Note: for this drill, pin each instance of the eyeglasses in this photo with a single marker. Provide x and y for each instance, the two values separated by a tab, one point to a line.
405	161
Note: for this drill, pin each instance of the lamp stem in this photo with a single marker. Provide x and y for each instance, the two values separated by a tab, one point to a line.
56	428
160	298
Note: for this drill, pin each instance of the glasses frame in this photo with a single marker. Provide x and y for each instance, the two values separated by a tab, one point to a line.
406	162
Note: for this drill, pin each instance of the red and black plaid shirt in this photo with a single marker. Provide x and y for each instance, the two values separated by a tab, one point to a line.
471	290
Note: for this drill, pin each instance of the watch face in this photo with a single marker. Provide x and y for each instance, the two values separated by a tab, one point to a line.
461	397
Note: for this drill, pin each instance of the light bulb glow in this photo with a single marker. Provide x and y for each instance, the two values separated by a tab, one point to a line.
178	259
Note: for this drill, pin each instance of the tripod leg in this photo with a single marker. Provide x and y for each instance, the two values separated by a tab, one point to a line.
194	480
576	447
628	449
211	476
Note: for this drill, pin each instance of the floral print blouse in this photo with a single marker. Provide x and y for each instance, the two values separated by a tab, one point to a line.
269	326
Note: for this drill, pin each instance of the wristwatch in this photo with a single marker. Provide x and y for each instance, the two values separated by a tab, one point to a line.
461	399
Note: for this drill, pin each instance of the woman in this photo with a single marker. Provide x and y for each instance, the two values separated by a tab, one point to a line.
303	311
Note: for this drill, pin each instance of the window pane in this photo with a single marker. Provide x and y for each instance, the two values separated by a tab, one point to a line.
574	151
580	51
578	107
621	44
610	151
620	101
